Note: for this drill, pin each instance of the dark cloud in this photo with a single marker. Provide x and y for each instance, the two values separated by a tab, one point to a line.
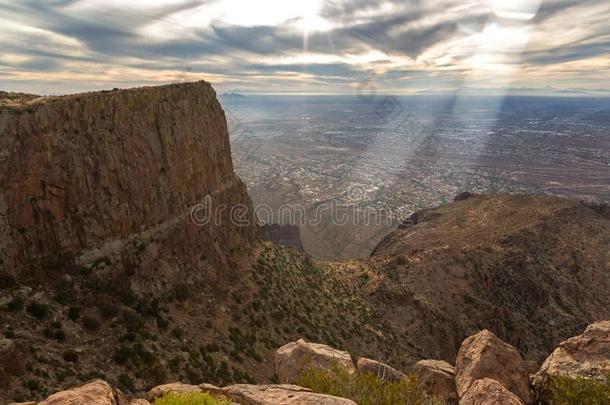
568	53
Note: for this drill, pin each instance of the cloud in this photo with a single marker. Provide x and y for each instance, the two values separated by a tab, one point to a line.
399	44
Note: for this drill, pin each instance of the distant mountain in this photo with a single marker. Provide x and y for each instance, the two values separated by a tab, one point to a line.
232	95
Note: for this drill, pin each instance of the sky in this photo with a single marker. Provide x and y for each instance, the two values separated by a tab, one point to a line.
308	46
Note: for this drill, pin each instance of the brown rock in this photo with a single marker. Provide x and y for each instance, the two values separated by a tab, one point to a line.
438	379
489	392
381	370
245	394
178	387
212	389
297	357
586	355
84	173
485	356
139	402
96	392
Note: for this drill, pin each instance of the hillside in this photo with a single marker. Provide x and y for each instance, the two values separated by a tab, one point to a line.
533	269
105	273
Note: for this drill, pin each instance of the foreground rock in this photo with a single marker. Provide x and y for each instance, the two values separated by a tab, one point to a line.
293	359
139	402
438	379
586	355
245	394
96	392
485	356
176	388
381	370
489	392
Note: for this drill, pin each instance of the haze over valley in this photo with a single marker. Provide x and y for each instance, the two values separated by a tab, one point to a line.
398	154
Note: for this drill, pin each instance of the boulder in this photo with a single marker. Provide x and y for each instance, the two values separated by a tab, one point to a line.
381	370
96	392
586	355
296	357
489	392
437	378
285	394
178	387
485	356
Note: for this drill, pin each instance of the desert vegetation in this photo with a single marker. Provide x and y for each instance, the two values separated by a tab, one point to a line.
367	388
190	398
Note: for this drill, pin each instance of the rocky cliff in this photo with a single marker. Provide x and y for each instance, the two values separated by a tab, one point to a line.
91	173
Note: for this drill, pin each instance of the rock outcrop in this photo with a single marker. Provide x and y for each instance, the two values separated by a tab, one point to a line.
245	394
96	392
485	356
437	378
383	371
139	402
89	173
297	357
487	391
585	355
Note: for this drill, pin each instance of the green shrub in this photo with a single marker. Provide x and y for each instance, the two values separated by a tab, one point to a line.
133	321
367	389
9	332
70	356
73	313
6	280
38	310
48	332
126	383
163	324
122	355
190	398
564	390
91	324
181	293
60	335
16	304
108	310
178	332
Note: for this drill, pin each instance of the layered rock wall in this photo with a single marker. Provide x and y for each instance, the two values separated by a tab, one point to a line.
86	171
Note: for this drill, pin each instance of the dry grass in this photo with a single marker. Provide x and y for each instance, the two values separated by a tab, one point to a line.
367	389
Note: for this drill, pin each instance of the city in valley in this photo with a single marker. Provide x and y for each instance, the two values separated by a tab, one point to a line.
376	159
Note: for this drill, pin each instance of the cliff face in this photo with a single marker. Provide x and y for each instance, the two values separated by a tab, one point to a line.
89	171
